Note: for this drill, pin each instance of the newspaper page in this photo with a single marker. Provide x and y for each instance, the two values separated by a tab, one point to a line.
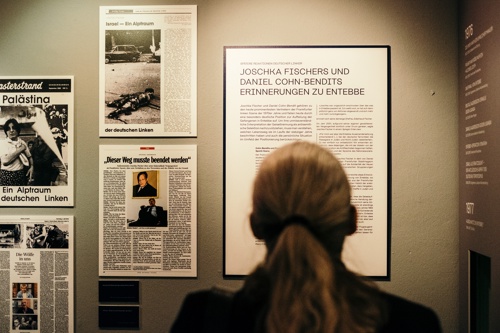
147	213
36	270
36	141
147	80
334	96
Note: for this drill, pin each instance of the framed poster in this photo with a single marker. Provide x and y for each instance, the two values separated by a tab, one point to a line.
36	122
38	272
147	71
147	210
336	96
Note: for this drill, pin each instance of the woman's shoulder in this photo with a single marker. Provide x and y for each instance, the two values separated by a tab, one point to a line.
410	317
204	311
191	313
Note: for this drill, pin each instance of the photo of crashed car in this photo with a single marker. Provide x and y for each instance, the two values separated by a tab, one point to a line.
10	234
131	102
128	53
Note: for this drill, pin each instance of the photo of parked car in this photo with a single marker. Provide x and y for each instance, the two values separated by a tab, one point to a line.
128	53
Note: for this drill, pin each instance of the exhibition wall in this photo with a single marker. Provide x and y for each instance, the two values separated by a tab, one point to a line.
479	213
54	37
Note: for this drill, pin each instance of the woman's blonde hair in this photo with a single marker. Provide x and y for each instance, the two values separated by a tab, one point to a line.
301	208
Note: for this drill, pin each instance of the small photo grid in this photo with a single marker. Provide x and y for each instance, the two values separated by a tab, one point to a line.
24	306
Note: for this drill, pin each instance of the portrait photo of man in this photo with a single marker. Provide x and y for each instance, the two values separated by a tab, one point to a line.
144	188
24	291
16	324
24	307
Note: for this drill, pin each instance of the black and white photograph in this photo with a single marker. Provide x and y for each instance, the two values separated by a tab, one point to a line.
132	70
10	235
55	236
39	133
24	322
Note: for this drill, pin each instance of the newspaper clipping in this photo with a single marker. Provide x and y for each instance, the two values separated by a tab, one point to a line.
147	213
36	269
147	58
36	141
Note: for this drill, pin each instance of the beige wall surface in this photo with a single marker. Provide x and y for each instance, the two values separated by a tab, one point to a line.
55	37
